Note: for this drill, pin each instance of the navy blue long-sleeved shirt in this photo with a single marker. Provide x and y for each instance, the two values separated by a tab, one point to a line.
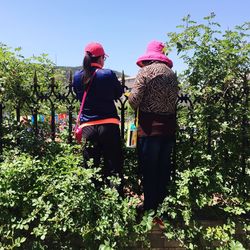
104	90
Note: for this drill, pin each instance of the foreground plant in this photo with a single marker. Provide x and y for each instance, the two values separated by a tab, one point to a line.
212	175
54	203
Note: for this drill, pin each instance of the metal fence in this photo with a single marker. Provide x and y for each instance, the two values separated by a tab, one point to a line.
68	97
53	95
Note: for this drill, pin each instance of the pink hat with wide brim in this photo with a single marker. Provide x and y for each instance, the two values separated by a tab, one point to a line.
155	52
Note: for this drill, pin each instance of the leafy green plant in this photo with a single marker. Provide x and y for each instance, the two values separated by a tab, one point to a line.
212	175
54	203
48	201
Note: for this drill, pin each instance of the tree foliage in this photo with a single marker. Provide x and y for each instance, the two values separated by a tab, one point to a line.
212	161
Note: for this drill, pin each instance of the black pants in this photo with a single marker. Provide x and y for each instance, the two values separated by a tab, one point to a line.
155	164
105	142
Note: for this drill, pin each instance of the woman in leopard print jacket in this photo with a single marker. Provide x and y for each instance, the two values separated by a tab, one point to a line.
154	95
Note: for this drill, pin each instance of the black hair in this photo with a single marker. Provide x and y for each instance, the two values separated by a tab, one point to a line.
88	59
147	62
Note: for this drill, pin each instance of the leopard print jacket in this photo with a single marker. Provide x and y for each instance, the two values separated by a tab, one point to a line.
155	89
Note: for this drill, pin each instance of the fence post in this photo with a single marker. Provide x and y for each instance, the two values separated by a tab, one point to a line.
70	108
70	124
244	125
18	113
1	131
53	124
123	109
34	115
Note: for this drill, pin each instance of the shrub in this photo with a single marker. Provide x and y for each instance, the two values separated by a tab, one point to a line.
212	174
53	203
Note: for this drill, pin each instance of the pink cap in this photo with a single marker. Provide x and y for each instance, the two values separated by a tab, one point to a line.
155	52
95	49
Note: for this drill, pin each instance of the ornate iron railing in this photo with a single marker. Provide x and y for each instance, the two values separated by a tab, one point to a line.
53	95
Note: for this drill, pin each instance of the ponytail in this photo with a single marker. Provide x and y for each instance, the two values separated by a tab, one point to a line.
87	68
88	59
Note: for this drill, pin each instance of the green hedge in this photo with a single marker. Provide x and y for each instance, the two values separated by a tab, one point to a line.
53	203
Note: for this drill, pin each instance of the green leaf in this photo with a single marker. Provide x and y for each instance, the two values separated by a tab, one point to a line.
236	245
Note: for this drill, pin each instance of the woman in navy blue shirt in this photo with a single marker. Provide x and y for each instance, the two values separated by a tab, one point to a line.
99	117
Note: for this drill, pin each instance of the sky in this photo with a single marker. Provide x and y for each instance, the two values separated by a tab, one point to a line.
62	28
